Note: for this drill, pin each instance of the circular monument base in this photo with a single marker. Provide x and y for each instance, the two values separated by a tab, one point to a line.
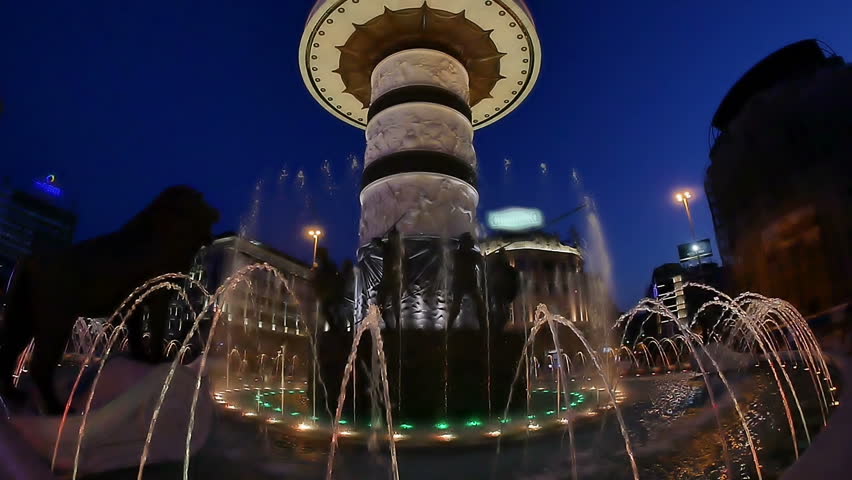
440	377
426	294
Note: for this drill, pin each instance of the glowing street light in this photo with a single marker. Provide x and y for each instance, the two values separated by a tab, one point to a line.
684	197
315	233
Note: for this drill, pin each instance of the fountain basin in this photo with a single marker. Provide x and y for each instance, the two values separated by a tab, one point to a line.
433	375
117	426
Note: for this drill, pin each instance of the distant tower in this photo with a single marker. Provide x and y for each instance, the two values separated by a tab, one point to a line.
34	217
419	77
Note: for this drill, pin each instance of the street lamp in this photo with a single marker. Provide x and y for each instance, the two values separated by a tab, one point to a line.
315	233
683	197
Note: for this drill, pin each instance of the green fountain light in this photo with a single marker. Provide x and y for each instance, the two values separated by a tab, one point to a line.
473	422
442	425
406	426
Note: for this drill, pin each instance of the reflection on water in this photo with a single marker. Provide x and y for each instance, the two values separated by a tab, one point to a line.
669	419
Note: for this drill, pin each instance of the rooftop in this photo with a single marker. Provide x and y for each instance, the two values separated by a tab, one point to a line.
798	58
535	240
260	251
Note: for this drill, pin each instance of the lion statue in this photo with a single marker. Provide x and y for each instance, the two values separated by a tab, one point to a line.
50	290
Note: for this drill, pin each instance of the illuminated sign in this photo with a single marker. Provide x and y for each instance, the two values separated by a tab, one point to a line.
694	250
515	219
48	186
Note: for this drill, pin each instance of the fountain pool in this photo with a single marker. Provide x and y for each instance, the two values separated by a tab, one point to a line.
745	404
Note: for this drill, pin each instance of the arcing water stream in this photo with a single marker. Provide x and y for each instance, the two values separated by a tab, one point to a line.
750	330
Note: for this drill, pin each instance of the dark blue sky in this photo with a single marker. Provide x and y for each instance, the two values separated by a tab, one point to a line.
121	99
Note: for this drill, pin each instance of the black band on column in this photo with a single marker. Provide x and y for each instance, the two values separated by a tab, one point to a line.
419	93
408	161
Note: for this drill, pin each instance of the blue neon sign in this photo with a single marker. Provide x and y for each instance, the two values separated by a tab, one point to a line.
48	186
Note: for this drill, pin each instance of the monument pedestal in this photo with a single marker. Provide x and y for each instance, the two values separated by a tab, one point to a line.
434	364
426	293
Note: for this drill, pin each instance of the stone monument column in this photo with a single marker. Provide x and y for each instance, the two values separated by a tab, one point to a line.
419	76
419	165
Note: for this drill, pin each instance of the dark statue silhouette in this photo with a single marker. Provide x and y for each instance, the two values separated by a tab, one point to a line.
330	289
503	285
389	288
347	307
90	279
465	262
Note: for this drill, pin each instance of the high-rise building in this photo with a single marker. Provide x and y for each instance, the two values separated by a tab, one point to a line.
32	219
669	285
778	183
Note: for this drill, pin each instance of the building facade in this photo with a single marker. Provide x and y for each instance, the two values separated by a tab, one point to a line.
260	314
550	272
778	183
33	218
669	285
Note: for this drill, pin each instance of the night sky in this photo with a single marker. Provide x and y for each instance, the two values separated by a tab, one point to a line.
121	99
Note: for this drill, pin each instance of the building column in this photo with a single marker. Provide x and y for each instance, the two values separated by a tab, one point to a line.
419	164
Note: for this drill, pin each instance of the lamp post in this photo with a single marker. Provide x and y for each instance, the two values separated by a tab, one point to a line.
315	233
683	197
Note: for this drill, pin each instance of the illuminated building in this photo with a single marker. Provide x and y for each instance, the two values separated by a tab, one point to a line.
260	314
668	285
550	272
778	182
32	219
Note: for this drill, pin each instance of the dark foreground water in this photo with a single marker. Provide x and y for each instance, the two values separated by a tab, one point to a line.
673	430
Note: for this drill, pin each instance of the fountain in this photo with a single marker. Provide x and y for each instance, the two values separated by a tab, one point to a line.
767	386
420	77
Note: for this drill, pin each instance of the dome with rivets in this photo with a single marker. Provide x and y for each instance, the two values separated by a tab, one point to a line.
494	40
